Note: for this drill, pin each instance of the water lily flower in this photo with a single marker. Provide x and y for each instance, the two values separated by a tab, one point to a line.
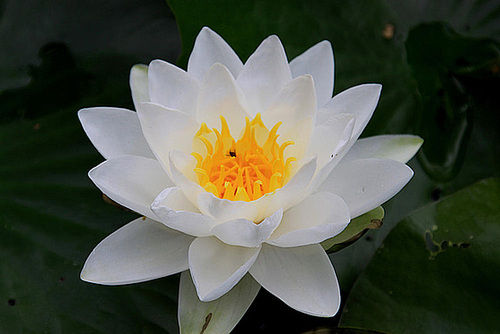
240	171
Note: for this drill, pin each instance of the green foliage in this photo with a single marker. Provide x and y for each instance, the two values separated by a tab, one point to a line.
437	271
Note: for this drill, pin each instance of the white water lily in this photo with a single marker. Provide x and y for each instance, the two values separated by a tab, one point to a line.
240	171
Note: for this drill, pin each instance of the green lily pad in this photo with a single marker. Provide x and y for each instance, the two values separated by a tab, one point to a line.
437	271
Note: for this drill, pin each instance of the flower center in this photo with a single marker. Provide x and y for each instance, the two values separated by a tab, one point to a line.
242	170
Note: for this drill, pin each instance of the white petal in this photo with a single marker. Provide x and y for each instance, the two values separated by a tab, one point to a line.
359	100
139	84
114	132
166	129
295	108
300	134
139	251
218	316
367	183
295	102
172	87
302	277
329	136
178	169
317	218
318	62
246	233
209	48
217	267
131	181
224	210
395	147
220	96
335	157
264	74
295	190
175	211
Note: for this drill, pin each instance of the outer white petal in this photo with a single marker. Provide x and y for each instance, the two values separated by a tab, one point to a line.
318	62
216	267
172	87
175	211
302	277
139	251
264	74
218	316
317	218
359	100
367	183
246	233
166	129
396	147
295	102
329	136
114	131
219	95
131	181
139	84
209	48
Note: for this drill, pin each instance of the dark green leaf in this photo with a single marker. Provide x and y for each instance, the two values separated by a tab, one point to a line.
437	271
51	216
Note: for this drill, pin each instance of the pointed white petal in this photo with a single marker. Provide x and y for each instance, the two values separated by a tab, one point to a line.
294	102
175	211
367	183
264	74
209	48
302	277
114	132
317	218
318	62
166	129
220	96
139	251
395	147
328	136
218	316
246	233
359	100
216	267
335	157
131	181
139	84
172	87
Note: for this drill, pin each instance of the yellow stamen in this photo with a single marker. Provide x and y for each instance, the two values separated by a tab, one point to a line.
243	169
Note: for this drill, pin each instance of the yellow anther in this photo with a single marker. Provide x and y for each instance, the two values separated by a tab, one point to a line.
241	195
275	183
203	130
208	145
211	188
229	191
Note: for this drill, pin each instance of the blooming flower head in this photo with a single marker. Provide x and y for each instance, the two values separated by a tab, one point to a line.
240	171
